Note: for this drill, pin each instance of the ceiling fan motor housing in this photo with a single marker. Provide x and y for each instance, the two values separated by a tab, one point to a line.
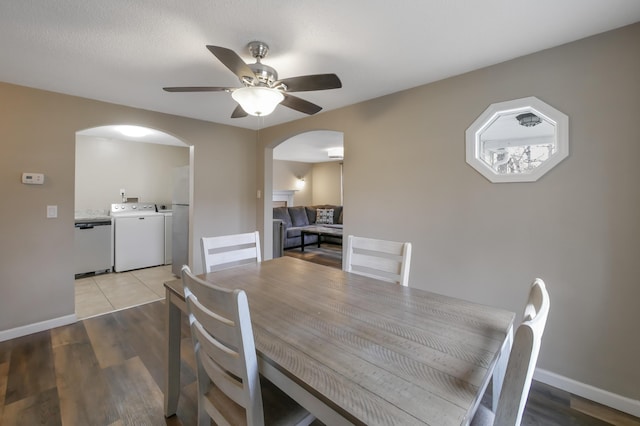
258	49
265	74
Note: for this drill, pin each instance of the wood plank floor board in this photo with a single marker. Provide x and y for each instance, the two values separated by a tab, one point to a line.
43	408
5	350
110	348
4	369
550	406
551	414
85	397
138	398
187	413
143	331
31	368
598	411
187	361
114	363
74	333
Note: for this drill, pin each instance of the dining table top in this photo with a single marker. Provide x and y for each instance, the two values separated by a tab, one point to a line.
375	352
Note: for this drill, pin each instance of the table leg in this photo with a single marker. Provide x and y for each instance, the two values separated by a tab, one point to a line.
311	403
319	237
302	241
501	368
172	355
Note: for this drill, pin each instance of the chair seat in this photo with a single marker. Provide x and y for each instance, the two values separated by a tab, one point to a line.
279	409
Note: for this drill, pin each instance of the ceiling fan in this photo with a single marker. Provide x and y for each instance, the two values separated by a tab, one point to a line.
262	91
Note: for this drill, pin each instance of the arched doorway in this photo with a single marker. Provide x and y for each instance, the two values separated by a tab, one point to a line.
124	164
303	169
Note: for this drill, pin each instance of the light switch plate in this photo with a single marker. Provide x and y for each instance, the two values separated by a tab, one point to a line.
52	212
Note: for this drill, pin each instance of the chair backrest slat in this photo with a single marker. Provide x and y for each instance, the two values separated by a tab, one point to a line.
230	250
220	302
221	258
219	339
376	262
218	364
385	260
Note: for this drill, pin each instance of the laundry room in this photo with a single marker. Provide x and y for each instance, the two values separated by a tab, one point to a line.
123	215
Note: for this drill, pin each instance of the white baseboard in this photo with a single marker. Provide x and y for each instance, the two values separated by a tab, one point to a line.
37	327
610	399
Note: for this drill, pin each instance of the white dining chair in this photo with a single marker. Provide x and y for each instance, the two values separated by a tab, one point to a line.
522	363
230	390
230	250
384	260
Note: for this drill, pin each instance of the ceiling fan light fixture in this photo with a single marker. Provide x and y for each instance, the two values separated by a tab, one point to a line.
258	101
528	119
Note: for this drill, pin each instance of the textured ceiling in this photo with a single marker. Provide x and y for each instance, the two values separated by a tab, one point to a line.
309	147
125	51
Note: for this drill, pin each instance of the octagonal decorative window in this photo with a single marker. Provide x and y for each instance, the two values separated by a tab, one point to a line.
517	141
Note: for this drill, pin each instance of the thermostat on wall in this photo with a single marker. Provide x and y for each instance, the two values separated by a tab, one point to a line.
33	178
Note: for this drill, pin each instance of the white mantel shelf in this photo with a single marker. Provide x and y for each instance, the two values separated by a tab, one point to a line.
284	195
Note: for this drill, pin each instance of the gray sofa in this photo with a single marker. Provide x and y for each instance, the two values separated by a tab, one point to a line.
289	221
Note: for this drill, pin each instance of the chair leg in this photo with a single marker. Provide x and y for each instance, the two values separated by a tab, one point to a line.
203	381
307	420
203	417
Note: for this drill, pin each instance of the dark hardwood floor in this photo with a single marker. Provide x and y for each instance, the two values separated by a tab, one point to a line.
327	254
108	370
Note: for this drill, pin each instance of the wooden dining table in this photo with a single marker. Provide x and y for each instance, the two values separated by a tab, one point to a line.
355	350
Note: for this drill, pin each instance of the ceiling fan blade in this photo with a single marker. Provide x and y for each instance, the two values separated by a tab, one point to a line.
301	105
307	83
238	112
197	89
231	60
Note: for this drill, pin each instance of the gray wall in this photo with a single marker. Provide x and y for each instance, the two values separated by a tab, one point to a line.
578	227
143	170
38	134
327	183
322	181
285	176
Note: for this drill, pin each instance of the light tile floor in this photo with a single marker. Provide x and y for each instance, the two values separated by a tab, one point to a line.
99	294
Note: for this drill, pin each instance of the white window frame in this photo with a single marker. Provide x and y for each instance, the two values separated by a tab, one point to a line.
494	111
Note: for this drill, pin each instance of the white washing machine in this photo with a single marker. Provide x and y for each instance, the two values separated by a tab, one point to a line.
138	236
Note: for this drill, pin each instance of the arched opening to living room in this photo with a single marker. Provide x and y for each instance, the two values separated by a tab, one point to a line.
307	196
